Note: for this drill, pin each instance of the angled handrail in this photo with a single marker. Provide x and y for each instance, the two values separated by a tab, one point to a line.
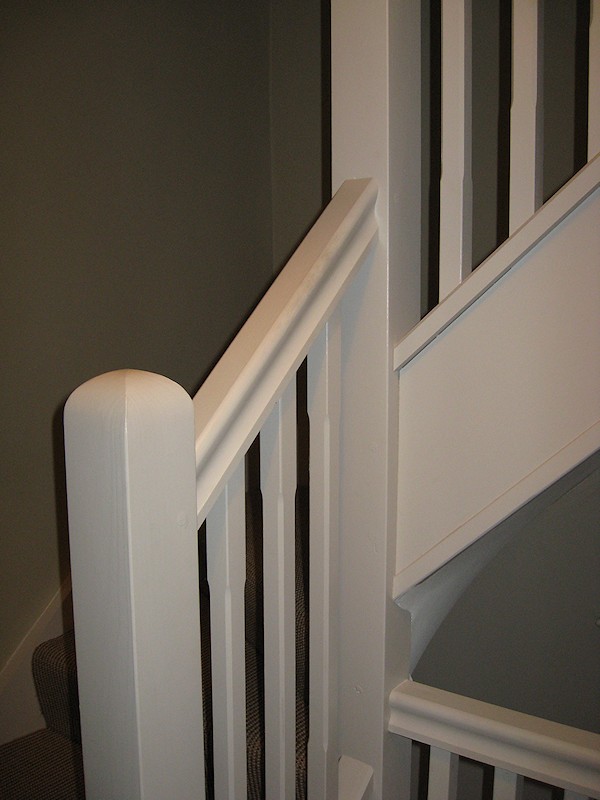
236	397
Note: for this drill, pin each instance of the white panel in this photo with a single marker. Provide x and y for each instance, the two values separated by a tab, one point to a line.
324	411
226	570
278	483
507	785
526	130
443	775
456	190
134	561
503	389
594	81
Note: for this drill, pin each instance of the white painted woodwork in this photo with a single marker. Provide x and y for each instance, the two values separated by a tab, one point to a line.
130	470
499	393
226	570
235	399
278	484
376	102
429	601
537	748
594	81
510	253
507	785
443	775
355	779
323	403
526	129
505	401
456	190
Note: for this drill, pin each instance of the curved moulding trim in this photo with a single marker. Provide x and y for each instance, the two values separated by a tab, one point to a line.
536	748
236	398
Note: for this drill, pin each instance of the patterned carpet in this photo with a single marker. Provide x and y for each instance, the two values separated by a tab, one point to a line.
47	764
42	766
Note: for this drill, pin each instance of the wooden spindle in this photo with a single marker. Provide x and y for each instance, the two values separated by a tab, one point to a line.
507	785
526	130
278	483
456	190
226	570
324	369
443	775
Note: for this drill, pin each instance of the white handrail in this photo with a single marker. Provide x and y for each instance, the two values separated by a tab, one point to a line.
537	748
234	401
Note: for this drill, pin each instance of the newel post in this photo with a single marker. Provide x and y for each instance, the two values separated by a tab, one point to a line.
130	463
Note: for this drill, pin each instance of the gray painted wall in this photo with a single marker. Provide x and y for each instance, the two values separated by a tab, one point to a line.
525	634
136	225
296	122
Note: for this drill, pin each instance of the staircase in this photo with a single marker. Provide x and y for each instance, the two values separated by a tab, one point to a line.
47	764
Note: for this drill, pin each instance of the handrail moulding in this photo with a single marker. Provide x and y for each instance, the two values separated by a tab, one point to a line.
537	748
235	399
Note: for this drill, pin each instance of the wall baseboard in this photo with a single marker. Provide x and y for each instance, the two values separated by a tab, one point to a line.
19	708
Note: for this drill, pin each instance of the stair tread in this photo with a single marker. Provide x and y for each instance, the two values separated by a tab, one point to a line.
41	766
54	669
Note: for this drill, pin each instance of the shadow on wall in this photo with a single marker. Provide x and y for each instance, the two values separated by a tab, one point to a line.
524	635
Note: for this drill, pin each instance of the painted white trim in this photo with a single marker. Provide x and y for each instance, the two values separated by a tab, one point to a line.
497	511
236	398
537	748
563	203
19	708
130	467
355	779
594	83
456	183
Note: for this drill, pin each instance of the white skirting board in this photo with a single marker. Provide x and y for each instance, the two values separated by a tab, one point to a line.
19	708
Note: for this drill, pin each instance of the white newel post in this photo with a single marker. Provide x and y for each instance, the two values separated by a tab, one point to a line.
376	106
131	481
